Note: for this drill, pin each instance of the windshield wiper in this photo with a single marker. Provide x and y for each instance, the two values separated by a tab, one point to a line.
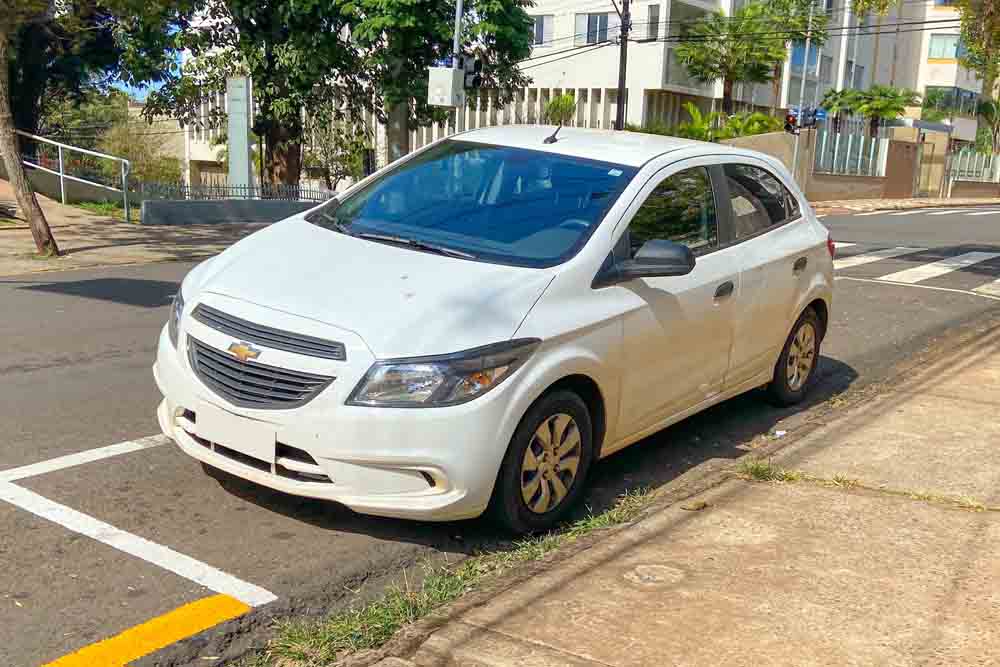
414	243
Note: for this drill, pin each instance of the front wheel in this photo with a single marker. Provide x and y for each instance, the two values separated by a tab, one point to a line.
797	363
543	472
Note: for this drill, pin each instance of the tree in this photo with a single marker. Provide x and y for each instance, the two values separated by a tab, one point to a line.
15	15
221	145
337	148
143	151
989	111
840	103
729	48
980	34
701	127
793	17
54	50
560	109
884	103
399	41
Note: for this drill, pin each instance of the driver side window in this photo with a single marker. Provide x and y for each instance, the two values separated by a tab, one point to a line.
680	209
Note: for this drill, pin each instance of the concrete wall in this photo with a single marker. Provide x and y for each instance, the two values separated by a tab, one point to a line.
827	187
975	189
165	212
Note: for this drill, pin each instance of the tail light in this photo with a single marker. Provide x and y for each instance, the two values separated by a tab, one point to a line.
831	247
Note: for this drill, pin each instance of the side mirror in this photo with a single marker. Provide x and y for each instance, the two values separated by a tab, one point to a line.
656	258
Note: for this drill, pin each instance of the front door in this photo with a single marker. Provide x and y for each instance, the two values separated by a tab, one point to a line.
678	330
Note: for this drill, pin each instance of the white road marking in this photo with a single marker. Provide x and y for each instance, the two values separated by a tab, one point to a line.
79	458
164	557
958	210
938	268
907	212
841	244
874	256
981	213
992	288
876	281
858	215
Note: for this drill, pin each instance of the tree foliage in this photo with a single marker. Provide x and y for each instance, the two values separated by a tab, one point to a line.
884	103
560	110
149	163
980	33
337	149
731	49
840	103
338	56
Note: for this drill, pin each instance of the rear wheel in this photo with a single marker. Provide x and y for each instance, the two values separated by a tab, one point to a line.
543	472
797	364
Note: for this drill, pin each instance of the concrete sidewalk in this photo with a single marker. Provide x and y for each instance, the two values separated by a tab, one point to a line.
881	549
864	205
87	239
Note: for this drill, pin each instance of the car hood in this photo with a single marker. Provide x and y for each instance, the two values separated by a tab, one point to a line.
400	302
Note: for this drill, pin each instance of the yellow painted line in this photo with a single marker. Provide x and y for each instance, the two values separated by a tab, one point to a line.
156	633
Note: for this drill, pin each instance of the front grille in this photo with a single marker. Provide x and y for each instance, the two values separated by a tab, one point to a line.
253	385
268	336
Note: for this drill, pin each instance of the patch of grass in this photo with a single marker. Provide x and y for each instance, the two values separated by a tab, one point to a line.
844	482
762	470
312	644
109	209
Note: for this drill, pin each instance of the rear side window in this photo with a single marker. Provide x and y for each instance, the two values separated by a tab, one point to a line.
680	209
758	199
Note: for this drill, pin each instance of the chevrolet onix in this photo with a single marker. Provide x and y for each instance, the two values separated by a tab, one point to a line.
475	325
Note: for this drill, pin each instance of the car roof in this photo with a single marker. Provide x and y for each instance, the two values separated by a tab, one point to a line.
628	148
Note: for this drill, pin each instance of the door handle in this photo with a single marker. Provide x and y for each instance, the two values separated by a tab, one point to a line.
725	290
800	265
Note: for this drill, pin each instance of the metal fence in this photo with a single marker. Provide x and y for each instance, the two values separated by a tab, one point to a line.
60	159
850	149
280	192
970	165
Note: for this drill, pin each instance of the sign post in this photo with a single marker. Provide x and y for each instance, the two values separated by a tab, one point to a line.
238	134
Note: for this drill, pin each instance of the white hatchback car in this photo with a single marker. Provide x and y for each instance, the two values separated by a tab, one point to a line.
475	325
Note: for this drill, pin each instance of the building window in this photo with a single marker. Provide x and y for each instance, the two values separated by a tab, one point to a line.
945	47
858	80
543	30
826	69
595	28
653	24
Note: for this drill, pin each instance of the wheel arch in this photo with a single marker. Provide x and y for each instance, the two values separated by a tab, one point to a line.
589	391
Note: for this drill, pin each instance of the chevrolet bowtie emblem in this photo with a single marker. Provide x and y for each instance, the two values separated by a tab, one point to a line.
244	351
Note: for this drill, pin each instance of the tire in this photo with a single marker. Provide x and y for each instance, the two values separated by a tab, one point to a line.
786	387
553	464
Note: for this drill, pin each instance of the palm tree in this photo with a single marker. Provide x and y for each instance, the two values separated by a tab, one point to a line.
884	103
730	49
839	103
989	110
702	127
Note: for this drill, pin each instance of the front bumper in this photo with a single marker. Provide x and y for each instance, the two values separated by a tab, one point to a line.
433	464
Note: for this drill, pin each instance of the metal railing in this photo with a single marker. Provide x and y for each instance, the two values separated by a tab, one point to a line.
41	163
851	150
968	165
281	192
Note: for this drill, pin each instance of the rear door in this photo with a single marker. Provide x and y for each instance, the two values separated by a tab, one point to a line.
678	333
775	243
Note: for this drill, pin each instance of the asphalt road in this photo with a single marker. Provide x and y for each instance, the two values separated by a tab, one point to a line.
75	375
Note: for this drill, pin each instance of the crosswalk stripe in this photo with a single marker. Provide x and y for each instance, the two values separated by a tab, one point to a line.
906	213
992	288
938	268
945	212
982	213
859	215
874	256
842	244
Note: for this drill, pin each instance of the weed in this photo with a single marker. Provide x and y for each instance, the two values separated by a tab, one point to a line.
311	643
762	470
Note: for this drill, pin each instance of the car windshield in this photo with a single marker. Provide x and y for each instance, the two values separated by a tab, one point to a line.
491	203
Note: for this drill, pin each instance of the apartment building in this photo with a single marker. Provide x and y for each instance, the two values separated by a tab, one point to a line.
575	50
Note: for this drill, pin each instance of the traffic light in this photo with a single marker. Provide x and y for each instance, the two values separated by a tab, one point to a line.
792	123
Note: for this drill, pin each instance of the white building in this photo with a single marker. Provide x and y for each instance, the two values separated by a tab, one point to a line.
925	56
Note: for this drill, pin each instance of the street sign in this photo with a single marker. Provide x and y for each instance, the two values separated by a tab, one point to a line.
820	114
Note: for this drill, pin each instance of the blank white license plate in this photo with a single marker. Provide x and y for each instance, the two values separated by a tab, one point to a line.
246	436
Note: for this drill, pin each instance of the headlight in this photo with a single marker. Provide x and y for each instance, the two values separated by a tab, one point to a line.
174	323
437	381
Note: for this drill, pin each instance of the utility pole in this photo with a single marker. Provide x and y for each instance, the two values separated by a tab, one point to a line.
626	19
802	91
